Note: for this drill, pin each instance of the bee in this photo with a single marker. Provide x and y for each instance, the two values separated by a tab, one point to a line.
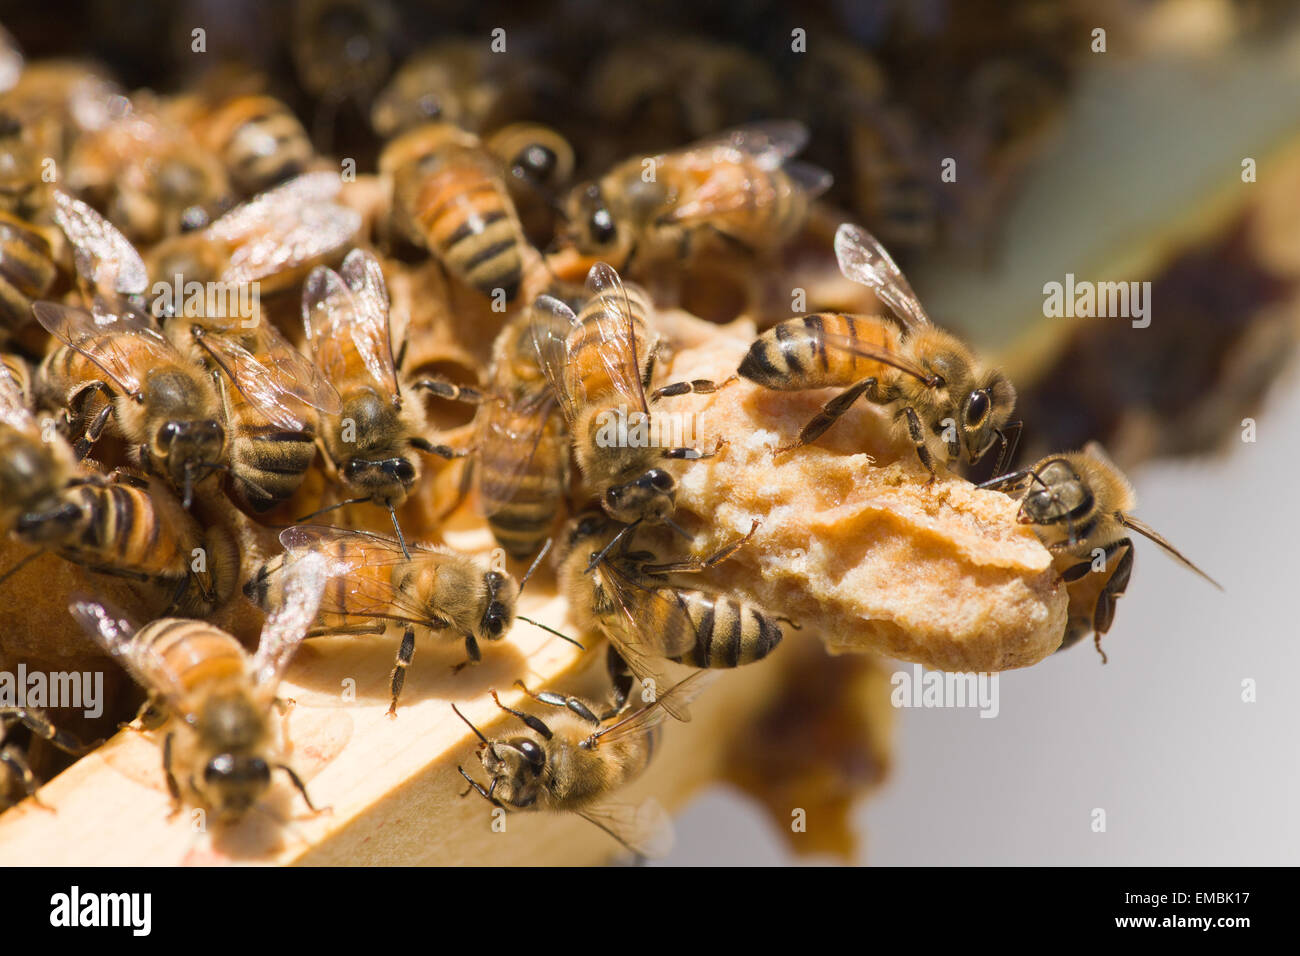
16	775
148	173
222	745
380	580
631	598
258	140
448	196
271	395
949	405
538	163
737	187
1079	505
598	363
573	763
271	240
27	269
369	442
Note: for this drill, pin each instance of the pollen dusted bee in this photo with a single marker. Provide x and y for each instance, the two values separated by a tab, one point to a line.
631	597
448	197
369	442
576	760
222	745
1078	503
737	186
379	580
933	386
598	363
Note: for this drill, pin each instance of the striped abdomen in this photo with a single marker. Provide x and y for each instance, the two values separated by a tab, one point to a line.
728	633
467	219
189	655
267	462
521	510
762	207
588	342
260	142
27	270
125	529
794	355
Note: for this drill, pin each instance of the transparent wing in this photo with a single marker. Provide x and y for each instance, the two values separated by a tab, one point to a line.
287	625
507	440
770	142
646	830
864	260
876	353
370	329
278	387
676	700
552	324
114	633
104	257
617	343
812	180
13	405
123	345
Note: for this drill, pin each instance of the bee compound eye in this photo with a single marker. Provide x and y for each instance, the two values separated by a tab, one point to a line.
532	753
660	480
977	409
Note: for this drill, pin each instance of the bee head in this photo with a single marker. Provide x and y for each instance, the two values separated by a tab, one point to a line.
594	229
385	480
515	766
188	448
234	782
498	606
648	497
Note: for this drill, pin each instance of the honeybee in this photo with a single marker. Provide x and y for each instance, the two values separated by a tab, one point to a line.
27	269
271	394
1078	504
448	196
381	580
271	240
148	173
573	763
631	598
16	775
369	441
737	186
538	163
934	387
222	746
598	363
258	139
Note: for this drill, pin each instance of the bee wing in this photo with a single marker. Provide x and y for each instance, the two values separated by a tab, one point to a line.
508	437
864	260
115	633
102	338
370	329
770	142
285	227
877	354
13	405
287	625
811	180
646	830
552	323
676	700
277	388
104	257
616	332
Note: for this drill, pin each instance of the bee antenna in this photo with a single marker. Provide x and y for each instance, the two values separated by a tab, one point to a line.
398	528
536	561
477	733
551	630
1152	535
678	528
612	541
320	511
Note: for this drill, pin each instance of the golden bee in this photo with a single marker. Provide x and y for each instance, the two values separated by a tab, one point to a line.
538	163
370	442
380	580
632	598
27	269
222	745
574	762
1079	505
257	138
16	777
936	391
599	362
739	188
449	197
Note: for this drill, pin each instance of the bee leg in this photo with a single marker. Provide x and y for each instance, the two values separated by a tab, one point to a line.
698	386
404	654
301	787
477	787
917	434
285	706
173	787
691	565
621	678
560	700
831	413
377	627
150	716
13	758
694	454
94	431
533	723
40	724
471	649
1010	480
449	390
442	451
1104	614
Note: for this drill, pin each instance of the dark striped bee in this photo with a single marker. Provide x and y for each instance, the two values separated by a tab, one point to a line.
573	763
448	196
221	745
598	363
631	598
737	187
935	389
1078	504
381	580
